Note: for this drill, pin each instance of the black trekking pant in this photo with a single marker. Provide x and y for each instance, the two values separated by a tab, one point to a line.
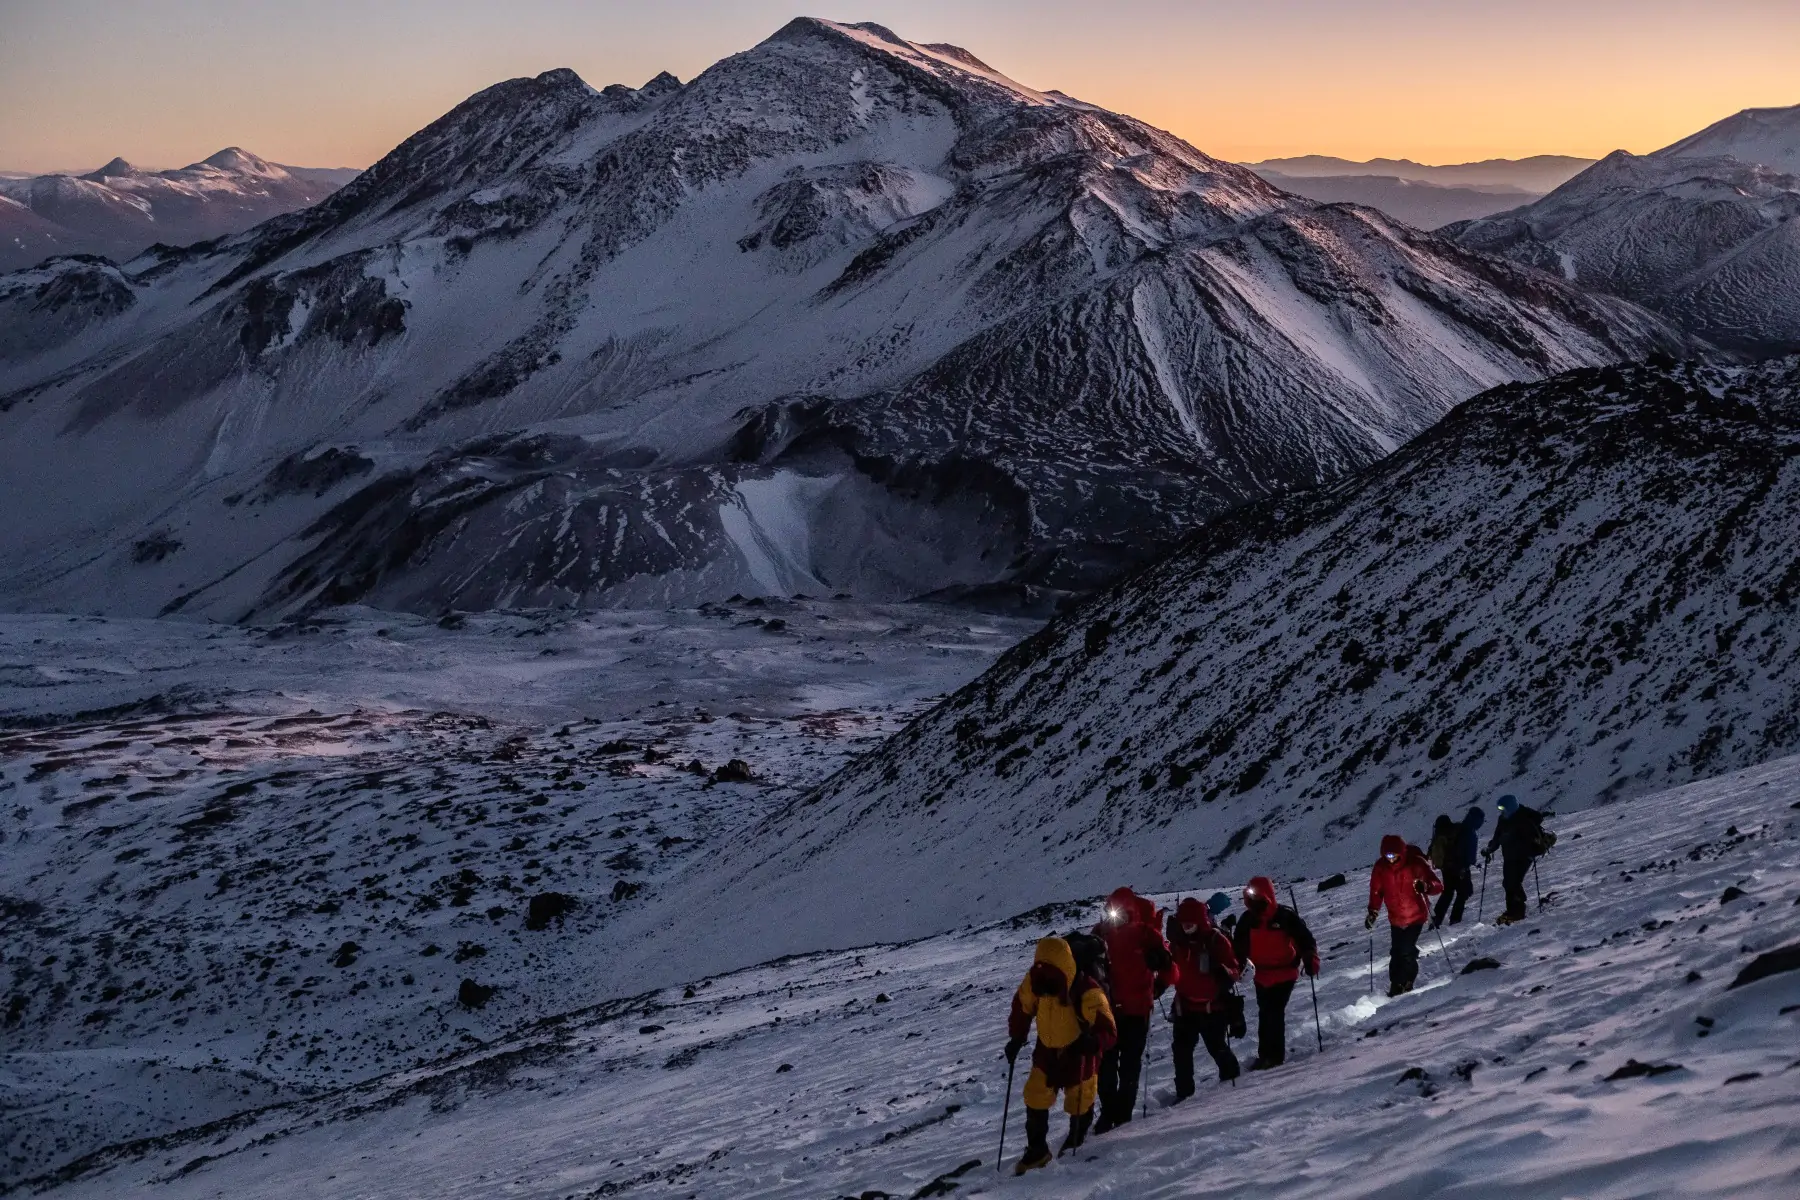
1403	957
1271	1022
1459	885
1121	1068
1513	870
1192	1028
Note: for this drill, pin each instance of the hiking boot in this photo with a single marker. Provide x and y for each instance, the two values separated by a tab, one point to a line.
1037	1141
1104	1125
1078	1131
1508	919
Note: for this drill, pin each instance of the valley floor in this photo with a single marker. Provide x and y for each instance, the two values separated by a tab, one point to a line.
877	1072
241	867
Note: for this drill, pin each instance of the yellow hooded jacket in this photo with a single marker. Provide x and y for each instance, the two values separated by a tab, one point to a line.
1068	1007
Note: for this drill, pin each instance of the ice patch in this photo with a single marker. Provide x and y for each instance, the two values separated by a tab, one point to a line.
769	521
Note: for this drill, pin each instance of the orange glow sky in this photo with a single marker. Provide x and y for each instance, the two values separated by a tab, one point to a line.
340	82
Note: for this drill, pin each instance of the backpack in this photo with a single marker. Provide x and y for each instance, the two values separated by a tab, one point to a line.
1090	956
1539	839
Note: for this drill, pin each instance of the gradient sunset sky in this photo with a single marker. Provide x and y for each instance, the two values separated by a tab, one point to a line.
340	82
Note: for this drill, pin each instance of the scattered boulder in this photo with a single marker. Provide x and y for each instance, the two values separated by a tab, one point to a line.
467	950
1334	881
1480	964
546	907
472	995
623	890
784	1068
1775	962
1633	1069
735	771
346	954
649	1029
1730	894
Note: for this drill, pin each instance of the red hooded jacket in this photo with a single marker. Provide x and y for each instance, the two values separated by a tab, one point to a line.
1205	964
1138	961
1397	883
1272	938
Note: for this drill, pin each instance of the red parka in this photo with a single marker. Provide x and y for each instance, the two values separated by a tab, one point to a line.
1205	964
1271	937
1138	962
1403	883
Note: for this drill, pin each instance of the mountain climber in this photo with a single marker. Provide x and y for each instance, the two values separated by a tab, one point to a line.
1139	969
1459	868
1272	938
1520	836
1443	840
1401	880
1074	1027
1206	968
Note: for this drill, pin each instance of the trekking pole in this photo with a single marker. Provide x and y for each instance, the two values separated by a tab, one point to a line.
1005	1111
1448	961
1371	962
1536	883
1312	983
1482	907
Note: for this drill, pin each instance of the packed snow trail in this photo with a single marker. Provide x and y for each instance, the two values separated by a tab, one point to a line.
877	1072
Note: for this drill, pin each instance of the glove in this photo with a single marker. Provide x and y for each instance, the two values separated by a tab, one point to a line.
1312	965
1012	1049
1369	921
1487	854
1419	886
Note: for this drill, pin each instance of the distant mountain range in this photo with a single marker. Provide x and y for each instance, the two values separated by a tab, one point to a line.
844	313
1702	231
119	211
1537	174
1420	195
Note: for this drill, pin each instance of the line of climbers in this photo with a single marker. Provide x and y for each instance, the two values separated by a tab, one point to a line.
1091	994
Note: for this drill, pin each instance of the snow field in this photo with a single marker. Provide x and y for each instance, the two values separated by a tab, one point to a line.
876	1072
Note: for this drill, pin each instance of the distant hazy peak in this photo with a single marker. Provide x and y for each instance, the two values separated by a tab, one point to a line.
113	170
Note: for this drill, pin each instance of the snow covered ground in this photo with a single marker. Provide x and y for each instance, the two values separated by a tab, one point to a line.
238	866
877	1073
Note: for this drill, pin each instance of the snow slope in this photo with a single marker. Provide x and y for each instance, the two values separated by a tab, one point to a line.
196	822
876	1072
120	211
1579	591
1702	231
987	340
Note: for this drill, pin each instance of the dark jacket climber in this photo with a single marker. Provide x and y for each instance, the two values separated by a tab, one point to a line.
1520	837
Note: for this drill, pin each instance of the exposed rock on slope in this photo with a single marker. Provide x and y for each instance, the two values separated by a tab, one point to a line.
1578	591
844	313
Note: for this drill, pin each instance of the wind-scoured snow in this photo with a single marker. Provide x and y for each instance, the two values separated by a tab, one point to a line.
1604	1052
560	320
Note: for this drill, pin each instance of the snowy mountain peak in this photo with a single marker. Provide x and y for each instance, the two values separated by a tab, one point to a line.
116	169
1770	136
843	313
241	162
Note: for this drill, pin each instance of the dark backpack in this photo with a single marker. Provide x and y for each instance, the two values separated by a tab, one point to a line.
1090	956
